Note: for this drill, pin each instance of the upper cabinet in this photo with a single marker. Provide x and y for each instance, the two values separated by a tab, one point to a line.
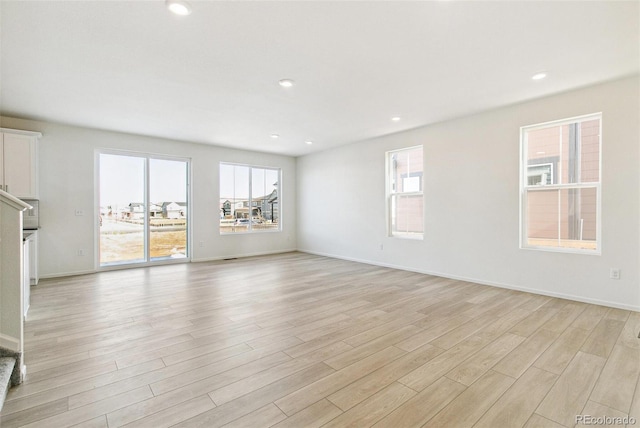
19	162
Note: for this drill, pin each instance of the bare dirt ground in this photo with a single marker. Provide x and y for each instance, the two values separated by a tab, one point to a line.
129	246
124	241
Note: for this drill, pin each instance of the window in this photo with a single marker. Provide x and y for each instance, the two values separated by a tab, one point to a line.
249	198
560	185
404	193
540	174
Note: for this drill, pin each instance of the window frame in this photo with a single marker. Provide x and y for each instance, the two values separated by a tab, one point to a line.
391	193
250	229
525	189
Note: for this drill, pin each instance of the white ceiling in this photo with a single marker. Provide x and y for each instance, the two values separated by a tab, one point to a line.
212	77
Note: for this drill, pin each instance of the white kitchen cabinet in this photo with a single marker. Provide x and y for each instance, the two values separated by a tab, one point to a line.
34	277
26	282
19	162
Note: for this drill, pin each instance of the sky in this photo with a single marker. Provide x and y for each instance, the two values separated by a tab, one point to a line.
122	180
234	181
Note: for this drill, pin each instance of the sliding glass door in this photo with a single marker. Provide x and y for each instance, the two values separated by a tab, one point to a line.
144	208
168	209
122	216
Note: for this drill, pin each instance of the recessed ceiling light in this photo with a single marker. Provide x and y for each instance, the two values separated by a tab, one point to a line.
274	136
539	76
396	118
286	83
179	7
308	143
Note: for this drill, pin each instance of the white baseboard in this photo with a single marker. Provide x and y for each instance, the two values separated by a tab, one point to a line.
207	259
243	255
483	282
64	274
393	266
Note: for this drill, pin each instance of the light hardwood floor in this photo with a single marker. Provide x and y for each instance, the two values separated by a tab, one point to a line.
297	340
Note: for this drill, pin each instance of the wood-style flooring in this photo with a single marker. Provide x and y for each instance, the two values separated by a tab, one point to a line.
297	340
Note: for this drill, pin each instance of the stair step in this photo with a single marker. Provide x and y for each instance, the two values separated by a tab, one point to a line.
6	368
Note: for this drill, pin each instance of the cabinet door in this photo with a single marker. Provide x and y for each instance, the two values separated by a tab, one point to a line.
33	259
20	165
26	283
1	161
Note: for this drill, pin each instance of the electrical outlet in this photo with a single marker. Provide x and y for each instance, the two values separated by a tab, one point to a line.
79	213
201	244
614	273
81	252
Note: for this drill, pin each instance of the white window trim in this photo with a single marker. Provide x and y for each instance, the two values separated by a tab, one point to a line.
524	189
390	193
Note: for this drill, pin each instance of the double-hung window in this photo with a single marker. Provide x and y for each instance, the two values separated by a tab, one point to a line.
249	198
405	202
560	185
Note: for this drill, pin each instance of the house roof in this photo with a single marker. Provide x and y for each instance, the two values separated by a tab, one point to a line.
167	203
212	77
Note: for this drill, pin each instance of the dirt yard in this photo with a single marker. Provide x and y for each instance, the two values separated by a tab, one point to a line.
119	247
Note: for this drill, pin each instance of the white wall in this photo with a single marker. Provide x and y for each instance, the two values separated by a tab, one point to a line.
472	200
66	177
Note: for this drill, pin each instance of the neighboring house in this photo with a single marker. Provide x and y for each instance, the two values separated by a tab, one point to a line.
135	212
174	209
155	210
269	206
558	156
225	210
263	208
